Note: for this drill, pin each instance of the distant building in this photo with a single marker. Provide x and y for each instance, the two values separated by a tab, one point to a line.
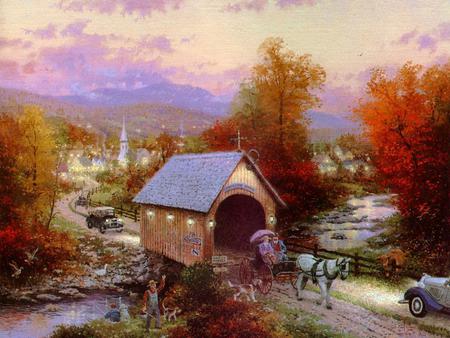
124	149
326	165
342	155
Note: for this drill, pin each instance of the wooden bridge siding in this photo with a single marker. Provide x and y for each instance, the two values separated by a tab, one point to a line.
167	237
261	194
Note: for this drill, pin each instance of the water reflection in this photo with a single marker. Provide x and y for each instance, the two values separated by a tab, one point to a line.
19	321
371	209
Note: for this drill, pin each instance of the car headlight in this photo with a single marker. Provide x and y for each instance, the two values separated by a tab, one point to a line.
108	220
120	220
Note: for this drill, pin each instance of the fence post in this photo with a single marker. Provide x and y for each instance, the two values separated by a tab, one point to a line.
316	249
135	215
357	264
121	209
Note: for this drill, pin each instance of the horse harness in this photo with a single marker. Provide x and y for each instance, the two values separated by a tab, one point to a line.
326	273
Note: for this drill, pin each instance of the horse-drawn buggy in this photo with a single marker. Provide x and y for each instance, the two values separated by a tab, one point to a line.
266	267
272	264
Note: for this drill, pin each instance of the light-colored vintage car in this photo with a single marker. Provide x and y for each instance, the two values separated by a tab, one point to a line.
432	294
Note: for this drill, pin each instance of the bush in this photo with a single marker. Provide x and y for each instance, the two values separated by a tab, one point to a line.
134	328
230	319
19	242
199	286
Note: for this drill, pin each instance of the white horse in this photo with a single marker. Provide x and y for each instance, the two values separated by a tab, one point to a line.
324	271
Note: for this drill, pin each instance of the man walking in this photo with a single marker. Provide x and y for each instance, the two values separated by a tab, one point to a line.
151	302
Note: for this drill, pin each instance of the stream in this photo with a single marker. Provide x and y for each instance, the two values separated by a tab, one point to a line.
40	320
351	227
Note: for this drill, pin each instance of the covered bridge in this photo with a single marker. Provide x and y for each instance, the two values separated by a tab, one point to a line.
198	202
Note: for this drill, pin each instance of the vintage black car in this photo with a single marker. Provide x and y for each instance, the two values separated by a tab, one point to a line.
81	201
430	294
104	218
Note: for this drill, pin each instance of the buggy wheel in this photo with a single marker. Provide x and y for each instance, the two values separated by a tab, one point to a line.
89	223
101	228
294	279
245	271
266	277
119	230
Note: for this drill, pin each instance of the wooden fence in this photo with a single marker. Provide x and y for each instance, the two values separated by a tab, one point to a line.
359	265
132	214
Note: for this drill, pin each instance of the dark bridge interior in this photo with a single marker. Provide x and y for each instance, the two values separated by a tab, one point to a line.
237	218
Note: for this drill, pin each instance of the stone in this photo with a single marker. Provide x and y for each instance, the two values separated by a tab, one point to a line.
68	292
48	297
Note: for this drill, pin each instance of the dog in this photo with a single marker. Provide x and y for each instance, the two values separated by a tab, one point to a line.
248	290
170	312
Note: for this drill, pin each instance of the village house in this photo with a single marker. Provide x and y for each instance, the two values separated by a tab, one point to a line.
326	165
198	203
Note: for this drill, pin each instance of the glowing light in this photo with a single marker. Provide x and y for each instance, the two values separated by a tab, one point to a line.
150	213
211	223
190	221
170	217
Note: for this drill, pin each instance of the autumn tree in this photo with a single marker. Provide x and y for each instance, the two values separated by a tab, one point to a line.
13	196
167	145
269	110
407	118
286	83
38	160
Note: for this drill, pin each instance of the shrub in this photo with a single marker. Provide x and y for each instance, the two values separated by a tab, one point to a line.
19	242
134	328
230	319
200	286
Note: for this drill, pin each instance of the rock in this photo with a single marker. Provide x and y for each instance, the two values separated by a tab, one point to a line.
52	307
79	295
48	297
339	236
27	299
68	292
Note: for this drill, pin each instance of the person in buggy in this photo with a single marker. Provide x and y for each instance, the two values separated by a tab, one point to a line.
279	249
265	252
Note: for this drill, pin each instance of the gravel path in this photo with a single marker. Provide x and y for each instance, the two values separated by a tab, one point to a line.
129	236
346	317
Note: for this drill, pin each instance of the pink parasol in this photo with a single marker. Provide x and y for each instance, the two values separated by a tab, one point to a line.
261	233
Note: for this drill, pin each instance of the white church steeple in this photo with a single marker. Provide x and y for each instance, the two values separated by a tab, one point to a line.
122	158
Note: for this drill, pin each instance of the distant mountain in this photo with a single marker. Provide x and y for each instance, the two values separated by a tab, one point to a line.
326	127
183	96
142	119
321	120
153	109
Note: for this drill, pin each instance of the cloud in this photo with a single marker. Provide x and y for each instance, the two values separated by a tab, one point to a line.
5	43
426	41
125	7
76	28
291	3
160	42
250	5
406	38
46	33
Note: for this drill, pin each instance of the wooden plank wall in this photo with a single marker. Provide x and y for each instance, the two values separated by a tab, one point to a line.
167	237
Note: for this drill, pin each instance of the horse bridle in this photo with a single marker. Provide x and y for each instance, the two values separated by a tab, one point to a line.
342	268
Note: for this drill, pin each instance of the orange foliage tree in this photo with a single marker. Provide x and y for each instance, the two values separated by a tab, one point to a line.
407	118
269	111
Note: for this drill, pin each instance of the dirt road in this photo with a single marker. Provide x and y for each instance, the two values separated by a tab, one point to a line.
130	235
346	317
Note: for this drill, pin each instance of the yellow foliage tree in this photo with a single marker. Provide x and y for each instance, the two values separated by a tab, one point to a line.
38	160
286	84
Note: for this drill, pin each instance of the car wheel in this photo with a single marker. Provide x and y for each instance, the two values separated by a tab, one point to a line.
417	307
89	224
